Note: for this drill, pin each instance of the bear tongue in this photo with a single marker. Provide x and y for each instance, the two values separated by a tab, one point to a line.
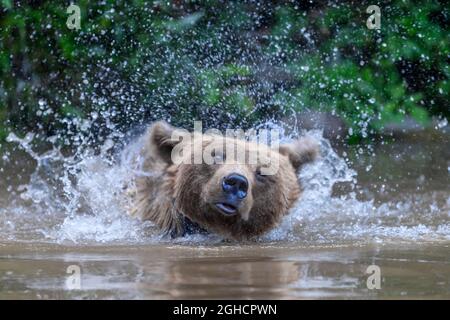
226	208
229	210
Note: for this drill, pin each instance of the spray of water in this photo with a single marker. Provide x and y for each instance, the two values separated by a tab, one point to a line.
82	199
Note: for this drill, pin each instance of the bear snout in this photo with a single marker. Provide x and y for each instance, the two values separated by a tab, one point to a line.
235	185
235	188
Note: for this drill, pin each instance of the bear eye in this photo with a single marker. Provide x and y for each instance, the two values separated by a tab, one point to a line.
259	175
264	177
218	156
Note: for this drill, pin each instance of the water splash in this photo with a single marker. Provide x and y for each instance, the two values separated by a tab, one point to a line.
320	217
81	199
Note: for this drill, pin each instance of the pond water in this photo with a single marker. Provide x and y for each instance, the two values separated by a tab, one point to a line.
387	205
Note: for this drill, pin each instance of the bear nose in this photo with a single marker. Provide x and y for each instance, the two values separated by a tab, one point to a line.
235	184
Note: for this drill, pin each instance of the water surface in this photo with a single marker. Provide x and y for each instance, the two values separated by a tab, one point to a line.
388	206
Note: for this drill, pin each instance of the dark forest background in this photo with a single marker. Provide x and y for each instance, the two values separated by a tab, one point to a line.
228	63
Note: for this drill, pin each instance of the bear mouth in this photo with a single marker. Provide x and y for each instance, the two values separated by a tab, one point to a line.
226	208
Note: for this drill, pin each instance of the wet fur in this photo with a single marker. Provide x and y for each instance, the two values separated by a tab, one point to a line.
175	194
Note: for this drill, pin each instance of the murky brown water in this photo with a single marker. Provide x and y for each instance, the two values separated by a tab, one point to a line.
325	255
278	271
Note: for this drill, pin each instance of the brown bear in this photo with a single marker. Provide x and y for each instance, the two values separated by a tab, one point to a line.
234	199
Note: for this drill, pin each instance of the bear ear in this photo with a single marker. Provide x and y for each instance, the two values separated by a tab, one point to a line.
301	151
161	140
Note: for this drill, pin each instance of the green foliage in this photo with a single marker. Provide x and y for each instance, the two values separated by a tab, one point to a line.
3	132
237	63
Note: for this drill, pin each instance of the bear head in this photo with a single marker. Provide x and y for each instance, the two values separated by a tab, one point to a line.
233	187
